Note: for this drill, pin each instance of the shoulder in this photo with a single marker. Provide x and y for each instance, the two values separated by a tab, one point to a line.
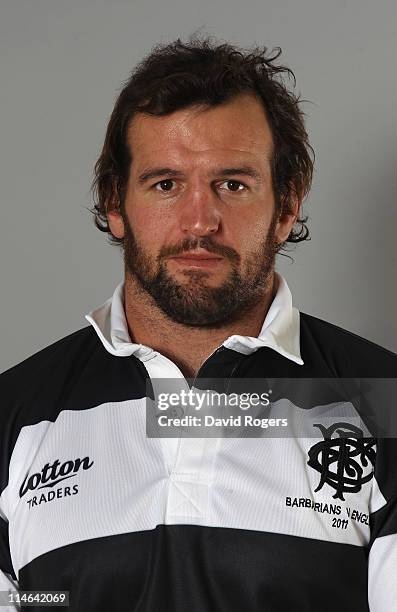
44	364
39	387
360	356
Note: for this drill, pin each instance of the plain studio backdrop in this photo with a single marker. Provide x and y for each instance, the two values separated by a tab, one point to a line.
62	64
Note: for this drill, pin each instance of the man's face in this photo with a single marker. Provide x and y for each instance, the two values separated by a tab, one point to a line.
200	224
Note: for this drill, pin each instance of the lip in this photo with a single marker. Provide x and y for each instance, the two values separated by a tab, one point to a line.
202	260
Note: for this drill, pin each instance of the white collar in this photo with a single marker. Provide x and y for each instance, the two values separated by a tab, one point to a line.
280	329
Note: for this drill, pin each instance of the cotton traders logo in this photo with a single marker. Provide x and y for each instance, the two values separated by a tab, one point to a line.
53	474
344	463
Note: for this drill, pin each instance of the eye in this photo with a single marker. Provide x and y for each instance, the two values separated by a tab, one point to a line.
234	186
164	185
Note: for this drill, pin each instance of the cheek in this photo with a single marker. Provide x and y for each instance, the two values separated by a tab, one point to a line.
251	232
142	221
151	220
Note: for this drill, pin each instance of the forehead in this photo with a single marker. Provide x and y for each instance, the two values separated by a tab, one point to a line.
238	128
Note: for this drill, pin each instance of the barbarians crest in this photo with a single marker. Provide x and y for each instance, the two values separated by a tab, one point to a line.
345	462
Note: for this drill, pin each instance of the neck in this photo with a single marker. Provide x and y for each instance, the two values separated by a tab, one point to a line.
187	347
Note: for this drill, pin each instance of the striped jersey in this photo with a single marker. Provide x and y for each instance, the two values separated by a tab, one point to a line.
91	505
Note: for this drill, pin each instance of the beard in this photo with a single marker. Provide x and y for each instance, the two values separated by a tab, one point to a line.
194	303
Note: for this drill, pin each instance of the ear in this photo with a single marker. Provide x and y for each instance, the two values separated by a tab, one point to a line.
288	215
114	217
116	222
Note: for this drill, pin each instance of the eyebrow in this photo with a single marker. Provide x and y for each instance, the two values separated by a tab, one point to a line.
151	173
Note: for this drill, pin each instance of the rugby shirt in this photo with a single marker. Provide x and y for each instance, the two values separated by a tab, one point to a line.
89	504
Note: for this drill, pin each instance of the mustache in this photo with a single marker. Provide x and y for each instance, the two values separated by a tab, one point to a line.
200	243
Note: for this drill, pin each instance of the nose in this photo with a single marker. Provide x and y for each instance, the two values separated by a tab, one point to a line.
200	214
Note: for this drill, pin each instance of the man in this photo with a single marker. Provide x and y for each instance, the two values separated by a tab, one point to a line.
204	168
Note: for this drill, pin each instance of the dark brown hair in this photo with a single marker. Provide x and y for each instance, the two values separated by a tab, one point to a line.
200	72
